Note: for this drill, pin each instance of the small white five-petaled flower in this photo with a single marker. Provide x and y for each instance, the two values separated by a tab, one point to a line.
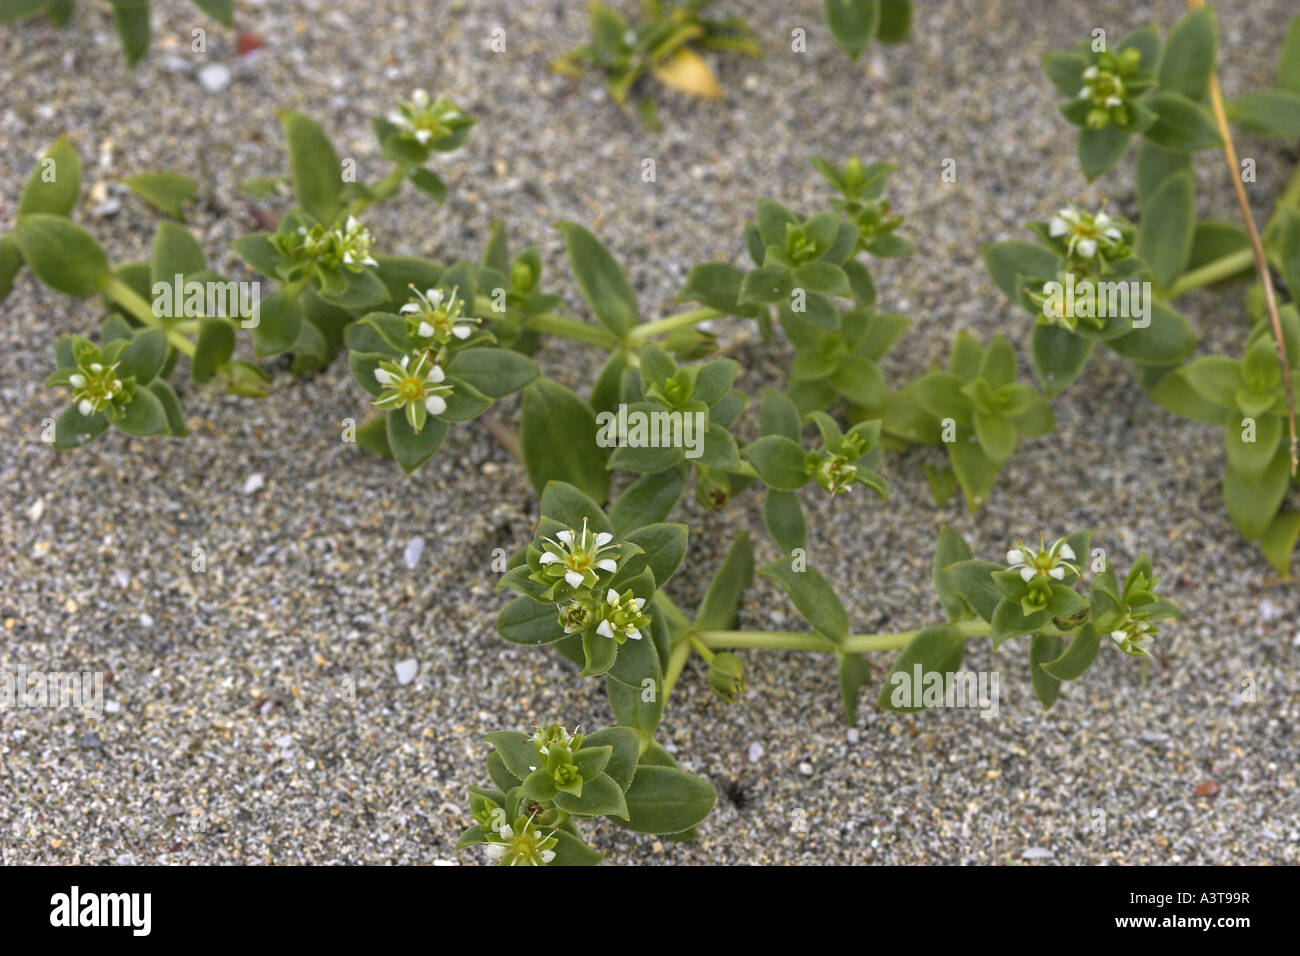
438	315
1087	232
94	387
579	554
418	388
422	117
1048	562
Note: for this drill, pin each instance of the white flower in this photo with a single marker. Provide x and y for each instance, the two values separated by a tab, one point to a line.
494	851
95	387
1048	561
1088	235
418	390
581	555
438	315
622	618
421	118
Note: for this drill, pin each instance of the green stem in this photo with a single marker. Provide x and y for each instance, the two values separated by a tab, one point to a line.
293	289
125	296
381	190
649	330
1226	266
1214	271
570	328
677	620
701	648
1290	196
676	661
807	641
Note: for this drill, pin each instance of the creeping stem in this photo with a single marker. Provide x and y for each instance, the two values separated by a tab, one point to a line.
681	320
706	642
1216	270
125	296
676	661
808	641
569	328
381	190
1213	271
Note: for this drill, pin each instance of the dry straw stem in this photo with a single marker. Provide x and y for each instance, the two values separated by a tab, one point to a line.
1257	247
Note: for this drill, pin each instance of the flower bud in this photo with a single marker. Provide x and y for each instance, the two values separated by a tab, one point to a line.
245	380
712	489
522	277
727	677
687	345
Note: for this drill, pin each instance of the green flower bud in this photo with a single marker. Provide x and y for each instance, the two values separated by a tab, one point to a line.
564	772
712	489
523	279
686	345
1098	119
575	617
245	380
727	677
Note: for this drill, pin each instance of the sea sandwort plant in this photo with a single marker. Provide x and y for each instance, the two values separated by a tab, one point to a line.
1163	99
433	345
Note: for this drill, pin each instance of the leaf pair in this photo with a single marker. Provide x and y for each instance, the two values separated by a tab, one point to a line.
977	409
